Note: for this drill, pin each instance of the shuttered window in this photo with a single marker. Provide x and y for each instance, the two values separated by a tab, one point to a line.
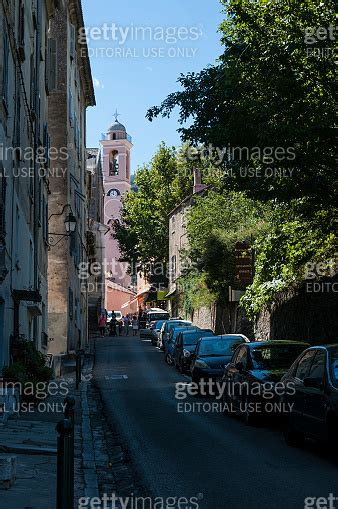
51	65
2	201
5	68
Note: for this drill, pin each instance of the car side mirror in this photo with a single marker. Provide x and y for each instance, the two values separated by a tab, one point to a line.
314	383
239	366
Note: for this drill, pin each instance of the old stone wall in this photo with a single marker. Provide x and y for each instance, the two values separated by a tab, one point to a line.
302	315
223	319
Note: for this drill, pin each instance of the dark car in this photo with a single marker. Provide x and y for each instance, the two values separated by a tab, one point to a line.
212	354
167	327
185	345
254	370
169	345
314	400
155	328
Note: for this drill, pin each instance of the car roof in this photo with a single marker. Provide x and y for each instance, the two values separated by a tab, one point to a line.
185	331
179	321
226	337
329	347
262	344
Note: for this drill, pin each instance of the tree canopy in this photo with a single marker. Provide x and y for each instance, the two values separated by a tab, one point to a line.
143	233
271	95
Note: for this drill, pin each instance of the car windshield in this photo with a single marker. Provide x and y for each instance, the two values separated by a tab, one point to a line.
334	368
174	325
175	332
275	356
191	338
158	324
217	347
153	317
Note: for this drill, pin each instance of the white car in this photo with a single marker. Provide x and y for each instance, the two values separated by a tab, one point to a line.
118	315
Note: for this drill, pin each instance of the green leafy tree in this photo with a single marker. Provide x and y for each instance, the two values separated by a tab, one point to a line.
214	224
143	233
270	100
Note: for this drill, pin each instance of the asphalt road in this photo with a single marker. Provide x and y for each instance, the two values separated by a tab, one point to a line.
217	459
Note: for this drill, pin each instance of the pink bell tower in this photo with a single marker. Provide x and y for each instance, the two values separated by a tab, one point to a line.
115	151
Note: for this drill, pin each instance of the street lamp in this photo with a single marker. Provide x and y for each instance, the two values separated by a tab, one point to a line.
70	222
70	226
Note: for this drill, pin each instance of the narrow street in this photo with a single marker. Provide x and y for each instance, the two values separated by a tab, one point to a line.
188	454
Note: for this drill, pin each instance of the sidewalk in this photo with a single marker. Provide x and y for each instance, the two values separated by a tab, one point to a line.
31	437
102	464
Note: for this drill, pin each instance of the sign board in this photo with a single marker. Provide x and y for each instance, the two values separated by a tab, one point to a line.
243	262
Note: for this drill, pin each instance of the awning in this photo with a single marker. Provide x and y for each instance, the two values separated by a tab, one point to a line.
162	294
146	290
171	293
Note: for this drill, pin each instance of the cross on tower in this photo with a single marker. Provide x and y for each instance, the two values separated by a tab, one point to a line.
116	115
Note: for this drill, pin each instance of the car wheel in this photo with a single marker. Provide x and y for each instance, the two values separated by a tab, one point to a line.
169	360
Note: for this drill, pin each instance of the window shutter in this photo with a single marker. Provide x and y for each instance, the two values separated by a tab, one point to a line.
2	201
70	108
51	76
21	30
5	68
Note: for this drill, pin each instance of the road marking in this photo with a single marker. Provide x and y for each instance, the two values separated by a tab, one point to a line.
116	377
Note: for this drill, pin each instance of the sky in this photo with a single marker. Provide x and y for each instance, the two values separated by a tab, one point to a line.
138	50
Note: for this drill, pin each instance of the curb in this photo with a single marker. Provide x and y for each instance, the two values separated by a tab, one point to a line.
88	450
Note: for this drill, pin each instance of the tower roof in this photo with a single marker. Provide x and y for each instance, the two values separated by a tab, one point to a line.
116	126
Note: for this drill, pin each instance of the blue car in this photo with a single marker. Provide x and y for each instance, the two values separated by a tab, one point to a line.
169	345
212	354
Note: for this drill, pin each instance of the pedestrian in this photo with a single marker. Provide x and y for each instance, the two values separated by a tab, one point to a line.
120	326
112	325
126	324
134	324
102	324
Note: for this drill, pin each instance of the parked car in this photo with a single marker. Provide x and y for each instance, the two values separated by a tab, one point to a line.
155	314
169	345
314	412
150	316
166	328
155	328
118	315
185	345
254	369
212	354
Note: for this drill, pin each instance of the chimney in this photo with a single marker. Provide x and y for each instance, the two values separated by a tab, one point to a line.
198	186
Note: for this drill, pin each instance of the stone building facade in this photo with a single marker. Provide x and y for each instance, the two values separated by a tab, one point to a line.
95	275
24	171
67	103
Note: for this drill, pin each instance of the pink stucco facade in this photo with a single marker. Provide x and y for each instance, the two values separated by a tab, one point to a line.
115	151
